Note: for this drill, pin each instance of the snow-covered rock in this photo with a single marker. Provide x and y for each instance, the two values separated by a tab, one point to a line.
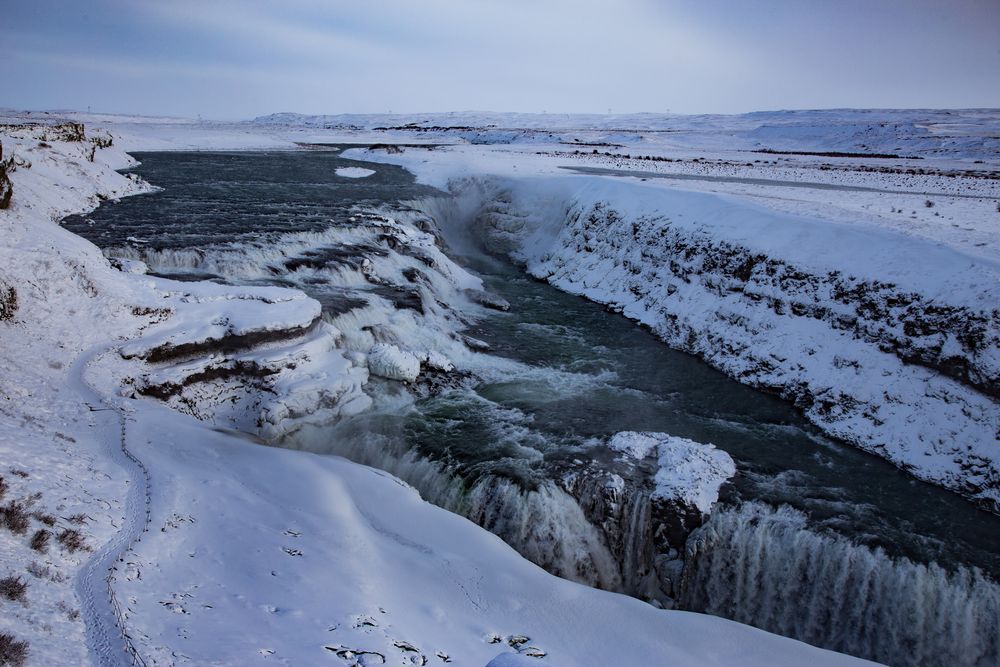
439	362
6	189
129	265
633	444
392	363
690	473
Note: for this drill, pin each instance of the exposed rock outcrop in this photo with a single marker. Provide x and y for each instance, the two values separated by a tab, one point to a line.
648	501
49	130
6	188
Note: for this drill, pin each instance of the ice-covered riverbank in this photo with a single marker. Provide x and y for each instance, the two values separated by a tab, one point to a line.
334	559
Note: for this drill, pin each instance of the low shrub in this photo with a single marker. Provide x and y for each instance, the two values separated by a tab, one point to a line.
40	540
72	540
13	588
15	517
12	652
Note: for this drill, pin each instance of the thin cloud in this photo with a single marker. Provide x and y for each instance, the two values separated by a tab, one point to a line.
239	59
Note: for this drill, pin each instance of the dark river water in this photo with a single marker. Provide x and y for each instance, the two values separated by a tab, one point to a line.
814	540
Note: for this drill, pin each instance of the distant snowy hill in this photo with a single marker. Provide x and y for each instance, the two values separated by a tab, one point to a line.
963	133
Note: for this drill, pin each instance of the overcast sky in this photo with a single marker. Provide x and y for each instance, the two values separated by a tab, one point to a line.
234	59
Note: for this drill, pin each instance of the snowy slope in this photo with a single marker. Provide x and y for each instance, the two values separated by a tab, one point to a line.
261	556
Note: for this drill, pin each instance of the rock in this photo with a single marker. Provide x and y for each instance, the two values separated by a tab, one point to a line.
128	265
439	362
488	300
102	139
648	502
475	344
388	148
6	188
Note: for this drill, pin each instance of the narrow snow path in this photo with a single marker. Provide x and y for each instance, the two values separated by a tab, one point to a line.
107	637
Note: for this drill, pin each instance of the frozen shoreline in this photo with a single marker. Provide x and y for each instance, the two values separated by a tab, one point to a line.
404	575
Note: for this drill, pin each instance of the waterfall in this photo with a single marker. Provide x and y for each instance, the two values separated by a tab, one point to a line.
544	524
766	568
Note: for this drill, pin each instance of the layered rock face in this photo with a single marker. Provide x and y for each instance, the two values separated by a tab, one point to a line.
47	130
883	341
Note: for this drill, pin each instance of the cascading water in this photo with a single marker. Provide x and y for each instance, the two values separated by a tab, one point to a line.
768	568
539	519
517	440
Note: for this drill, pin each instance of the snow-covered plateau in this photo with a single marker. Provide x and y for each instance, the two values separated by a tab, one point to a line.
144	518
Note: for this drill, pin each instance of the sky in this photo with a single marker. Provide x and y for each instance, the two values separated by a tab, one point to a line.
230	59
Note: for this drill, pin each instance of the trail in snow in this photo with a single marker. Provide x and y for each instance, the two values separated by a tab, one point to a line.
107	637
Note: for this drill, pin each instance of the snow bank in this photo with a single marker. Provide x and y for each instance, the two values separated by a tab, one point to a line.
66	299
206	317
261	554
885	341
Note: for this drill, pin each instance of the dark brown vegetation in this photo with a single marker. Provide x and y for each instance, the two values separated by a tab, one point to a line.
14	516
12	652
876	156
13	588
72	540
40	540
